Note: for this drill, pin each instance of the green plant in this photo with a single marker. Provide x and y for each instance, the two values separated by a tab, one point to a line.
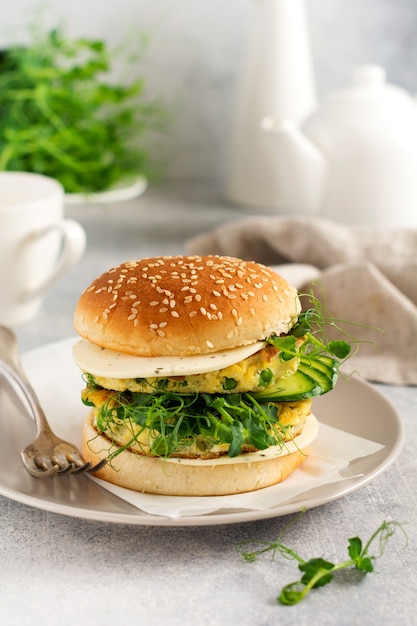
317	572
61	114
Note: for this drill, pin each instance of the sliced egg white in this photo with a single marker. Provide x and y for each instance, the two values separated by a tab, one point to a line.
111	364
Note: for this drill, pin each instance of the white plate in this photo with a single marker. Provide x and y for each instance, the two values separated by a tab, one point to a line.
354	407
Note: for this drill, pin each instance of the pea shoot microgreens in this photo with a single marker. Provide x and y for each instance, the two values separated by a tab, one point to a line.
63	114
177	419
313	325
318	572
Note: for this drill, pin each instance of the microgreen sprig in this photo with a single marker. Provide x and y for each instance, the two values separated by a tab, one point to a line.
313	325
317	572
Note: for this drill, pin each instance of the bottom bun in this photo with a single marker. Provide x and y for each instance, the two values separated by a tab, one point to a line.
178	478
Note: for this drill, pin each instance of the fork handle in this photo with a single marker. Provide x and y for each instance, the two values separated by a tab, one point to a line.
14	374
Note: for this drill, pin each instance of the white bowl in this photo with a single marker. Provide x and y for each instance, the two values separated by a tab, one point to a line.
125	190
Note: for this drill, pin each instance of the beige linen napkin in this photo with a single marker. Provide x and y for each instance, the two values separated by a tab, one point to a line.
363	275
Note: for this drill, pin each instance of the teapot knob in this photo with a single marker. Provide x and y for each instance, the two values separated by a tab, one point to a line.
369	76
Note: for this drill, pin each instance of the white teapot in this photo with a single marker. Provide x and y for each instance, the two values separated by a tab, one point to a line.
353	160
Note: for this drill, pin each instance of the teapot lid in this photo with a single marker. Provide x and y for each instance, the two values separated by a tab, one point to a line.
370	86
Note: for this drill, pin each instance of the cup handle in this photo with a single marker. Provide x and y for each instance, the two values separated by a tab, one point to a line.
74	242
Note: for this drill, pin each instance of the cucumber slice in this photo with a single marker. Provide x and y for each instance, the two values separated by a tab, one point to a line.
313	377
298	386
326	360
318	365
321	378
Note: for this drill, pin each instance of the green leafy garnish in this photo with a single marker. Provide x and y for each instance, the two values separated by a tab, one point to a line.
179	420
64	116
311	325
317	572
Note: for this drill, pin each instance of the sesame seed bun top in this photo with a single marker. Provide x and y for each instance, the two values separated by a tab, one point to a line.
185	305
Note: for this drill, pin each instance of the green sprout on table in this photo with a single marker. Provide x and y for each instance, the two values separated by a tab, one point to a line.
317	572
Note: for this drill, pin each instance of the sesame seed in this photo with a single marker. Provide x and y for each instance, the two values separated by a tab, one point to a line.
160	333
175	314
239	321
192	313
209	344
153	303
163	309
230	334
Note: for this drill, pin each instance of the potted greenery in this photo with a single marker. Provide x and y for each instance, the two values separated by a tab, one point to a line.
62	115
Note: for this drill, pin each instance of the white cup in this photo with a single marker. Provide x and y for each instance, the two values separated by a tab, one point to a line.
37	245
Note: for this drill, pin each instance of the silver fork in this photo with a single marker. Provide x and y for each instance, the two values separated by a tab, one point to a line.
47	455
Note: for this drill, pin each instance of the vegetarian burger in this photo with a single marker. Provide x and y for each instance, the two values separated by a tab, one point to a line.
199	375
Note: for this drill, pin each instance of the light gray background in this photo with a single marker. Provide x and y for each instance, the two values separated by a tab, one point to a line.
196	51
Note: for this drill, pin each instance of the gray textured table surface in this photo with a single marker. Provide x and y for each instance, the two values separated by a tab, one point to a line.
63	570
